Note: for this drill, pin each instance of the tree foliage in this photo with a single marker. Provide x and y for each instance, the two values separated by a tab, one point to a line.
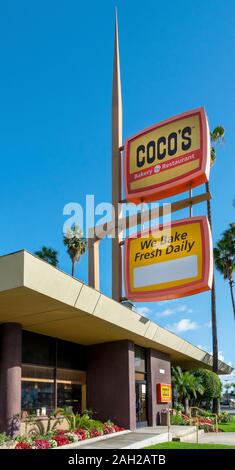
186	384
48	254
224	256
210	382
76	244
217	136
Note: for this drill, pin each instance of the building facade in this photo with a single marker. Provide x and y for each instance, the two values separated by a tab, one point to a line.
64	344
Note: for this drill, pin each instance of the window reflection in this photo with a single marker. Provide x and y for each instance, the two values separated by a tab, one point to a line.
37	395
69	395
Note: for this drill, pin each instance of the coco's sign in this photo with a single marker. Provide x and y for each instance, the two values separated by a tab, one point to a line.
172	262
168	158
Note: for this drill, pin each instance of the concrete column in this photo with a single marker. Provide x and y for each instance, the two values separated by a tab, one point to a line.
158	371
111	382
10	376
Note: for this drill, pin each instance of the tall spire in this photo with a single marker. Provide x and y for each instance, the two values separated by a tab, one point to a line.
117	93
116	166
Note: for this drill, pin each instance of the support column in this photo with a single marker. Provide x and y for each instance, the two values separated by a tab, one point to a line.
111	382
158	371
10	377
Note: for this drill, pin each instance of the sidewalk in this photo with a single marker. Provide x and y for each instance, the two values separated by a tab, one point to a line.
227	438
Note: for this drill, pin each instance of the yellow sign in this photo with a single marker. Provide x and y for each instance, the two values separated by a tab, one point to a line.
167	158
164	393
172	262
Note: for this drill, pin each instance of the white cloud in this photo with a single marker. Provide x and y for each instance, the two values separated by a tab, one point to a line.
165	313
144	311
208	324
221	356
183	325
170	311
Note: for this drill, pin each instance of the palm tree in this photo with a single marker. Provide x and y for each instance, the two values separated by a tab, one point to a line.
216	136
186	385
76	244
224	256
49	255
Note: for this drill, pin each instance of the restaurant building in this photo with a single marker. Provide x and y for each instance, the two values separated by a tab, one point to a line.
63	344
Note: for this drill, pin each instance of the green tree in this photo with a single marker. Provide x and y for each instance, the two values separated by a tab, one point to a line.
217	136
76	244
211	384
186	385
224	256
49	255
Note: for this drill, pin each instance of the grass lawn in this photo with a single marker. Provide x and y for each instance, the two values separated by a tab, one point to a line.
228	427
188	445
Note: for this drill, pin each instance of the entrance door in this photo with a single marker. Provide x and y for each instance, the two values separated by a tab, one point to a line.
141	403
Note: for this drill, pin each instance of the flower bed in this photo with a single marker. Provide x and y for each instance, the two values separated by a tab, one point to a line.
59	437
205	423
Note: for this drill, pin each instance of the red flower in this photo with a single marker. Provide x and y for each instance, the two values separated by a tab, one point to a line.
94	433
61	440
22	445
118	428
82	433
108	429
41	444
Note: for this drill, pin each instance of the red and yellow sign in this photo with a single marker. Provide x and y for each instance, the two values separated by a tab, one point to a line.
173	261
168	158
164	393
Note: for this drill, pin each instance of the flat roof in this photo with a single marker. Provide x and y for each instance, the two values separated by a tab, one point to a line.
45	300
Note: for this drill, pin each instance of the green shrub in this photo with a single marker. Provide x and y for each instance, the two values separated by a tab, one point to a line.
204	413
224	417
179	407
3	438
177	420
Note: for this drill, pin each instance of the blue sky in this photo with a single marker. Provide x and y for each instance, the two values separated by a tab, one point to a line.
55	119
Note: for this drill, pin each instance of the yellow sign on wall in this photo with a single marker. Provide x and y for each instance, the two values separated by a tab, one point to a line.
172	262
164	393
167	158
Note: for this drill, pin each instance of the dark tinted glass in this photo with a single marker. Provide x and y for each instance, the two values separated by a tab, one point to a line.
38	349
71	355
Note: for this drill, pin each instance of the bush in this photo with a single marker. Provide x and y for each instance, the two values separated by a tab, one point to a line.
3	438
200	412
224	417
177	420
210	382
60	437
179	407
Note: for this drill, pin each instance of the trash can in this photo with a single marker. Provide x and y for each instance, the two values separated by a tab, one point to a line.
164	417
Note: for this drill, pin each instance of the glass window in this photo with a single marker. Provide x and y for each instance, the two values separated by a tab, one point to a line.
71	355
140	363
30	371
38	349
69	395
37	395
38	386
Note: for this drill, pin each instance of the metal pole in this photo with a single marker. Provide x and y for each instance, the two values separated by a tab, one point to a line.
116	169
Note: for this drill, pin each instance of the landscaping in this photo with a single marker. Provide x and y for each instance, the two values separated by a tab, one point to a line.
228	426
80	427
